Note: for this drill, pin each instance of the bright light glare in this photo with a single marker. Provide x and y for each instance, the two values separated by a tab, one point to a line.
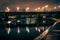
8	31
46	6
36	28
36	9
7	9
59	6
17	8
27	8
55	7
18	30
27	29
18	20
44	21
9	22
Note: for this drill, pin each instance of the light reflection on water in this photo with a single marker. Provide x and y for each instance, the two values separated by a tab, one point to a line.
23	33
26	33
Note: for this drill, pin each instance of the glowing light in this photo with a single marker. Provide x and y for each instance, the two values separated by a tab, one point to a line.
18	8
44	16
36	28
18	20
59	6
46	6
36	9
18	30
55	7
7	9
9	22
44	21
27	8
27	29
42	9
8	30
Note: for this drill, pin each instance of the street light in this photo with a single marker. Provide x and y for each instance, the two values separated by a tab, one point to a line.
7	9
59	6
43	9
55	7
27	9
18	8
36	9
46	6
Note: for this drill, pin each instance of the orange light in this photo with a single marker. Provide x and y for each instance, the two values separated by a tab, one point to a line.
38	8
55	7
59	6
7	9
27	8
35	9
46	6
17	8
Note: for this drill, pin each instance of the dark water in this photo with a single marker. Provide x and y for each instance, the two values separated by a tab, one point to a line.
26	35
22	35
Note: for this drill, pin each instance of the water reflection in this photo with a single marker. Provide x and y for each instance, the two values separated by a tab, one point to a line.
22	33
25	33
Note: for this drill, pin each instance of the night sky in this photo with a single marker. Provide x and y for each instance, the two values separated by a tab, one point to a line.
4	3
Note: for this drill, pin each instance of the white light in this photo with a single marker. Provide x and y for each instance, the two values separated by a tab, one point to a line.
18	30
44	21
36	28
18	20
8	31
44	16
27	29
9	22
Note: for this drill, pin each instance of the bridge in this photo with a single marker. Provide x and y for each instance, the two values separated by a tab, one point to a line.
9	20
